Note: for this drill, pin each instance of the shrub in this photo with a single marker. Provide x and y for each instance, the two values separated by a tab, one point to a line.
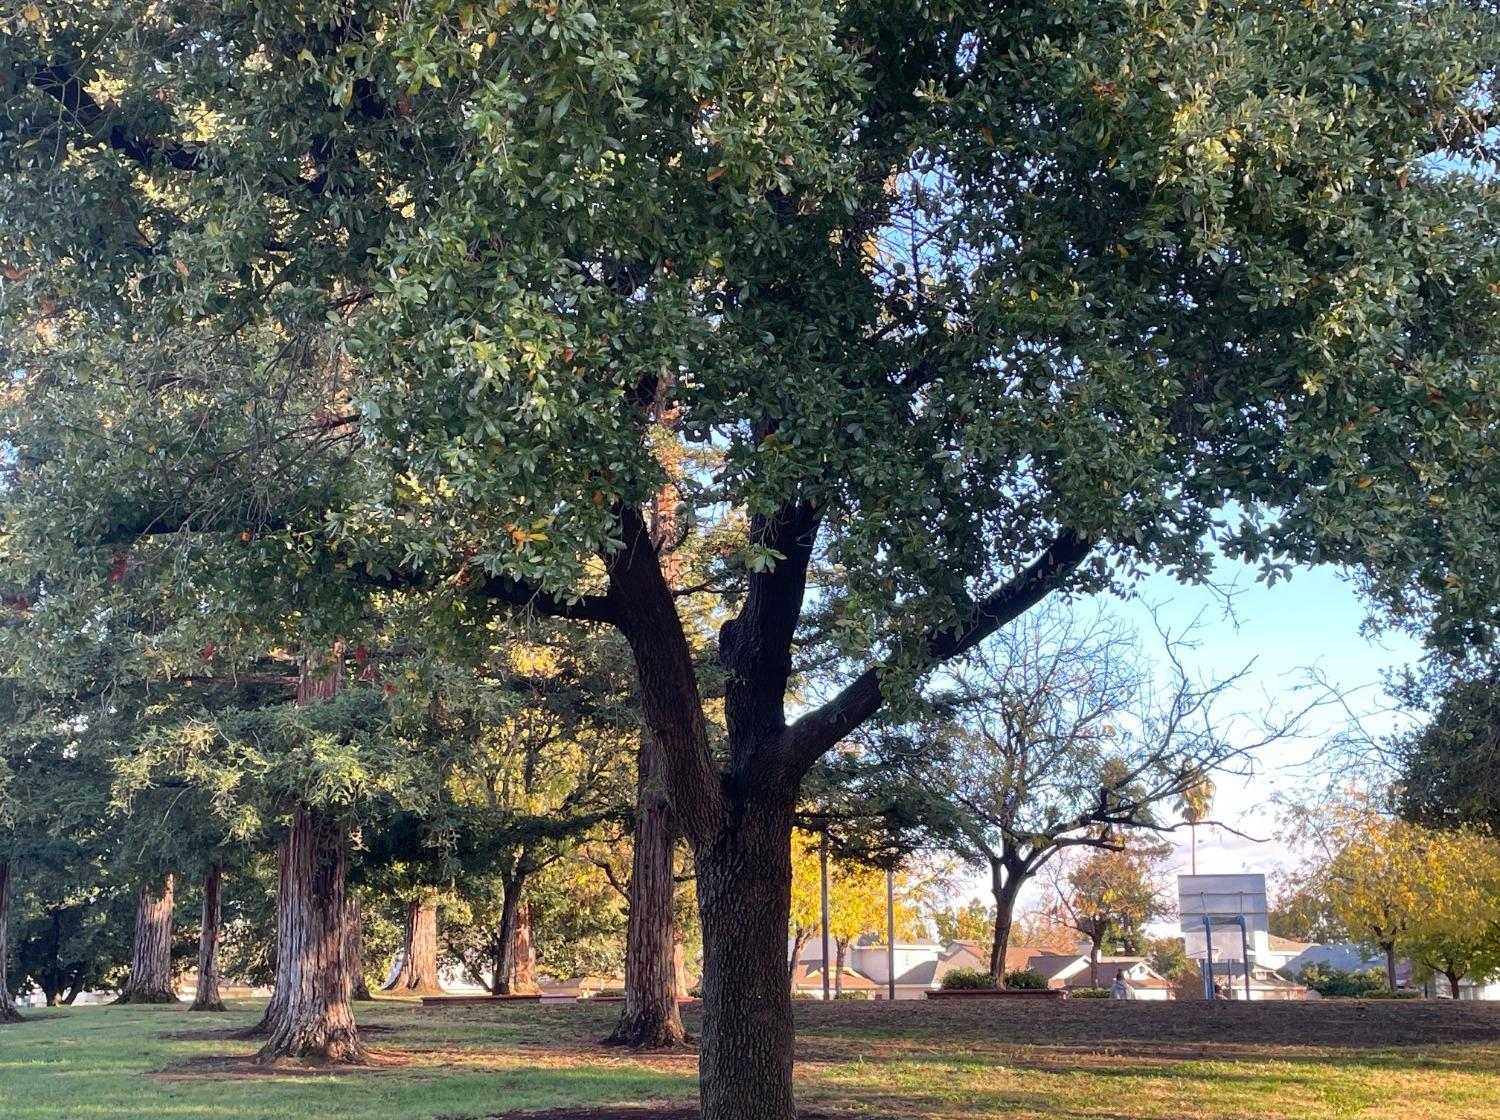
696	991
968	980
1025	978
1089	993
610	992
803	995
1340	982
1400	993
854	995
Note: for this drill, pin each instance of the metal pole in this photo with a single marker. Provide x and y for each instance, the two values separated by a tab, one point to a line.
890	932
1208	958
823	860
1245	948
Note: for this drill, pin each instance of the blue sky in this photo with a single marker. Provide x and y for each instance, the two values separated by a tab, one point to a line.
1309	625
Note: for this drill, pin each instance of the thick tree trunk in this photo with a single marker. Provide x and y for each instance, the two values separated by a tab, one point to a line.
314	1018
9	1013
650	1020
419	960
207	998
354	951
150	979
1390	963
744	896
523	954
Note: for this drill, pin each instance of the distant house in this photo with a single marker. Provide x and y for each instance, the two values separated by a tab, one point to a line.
921	966
1278	952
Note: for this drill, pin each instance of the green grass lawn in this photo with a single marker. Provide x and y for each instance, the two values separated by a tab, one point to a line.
1080	1060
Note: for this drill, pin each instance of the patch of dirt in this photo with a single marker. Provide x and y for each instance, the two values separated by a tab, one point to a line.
1236	1029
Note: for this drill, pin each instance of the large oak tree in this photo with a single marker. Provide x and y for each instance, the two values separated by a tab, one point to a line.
970	303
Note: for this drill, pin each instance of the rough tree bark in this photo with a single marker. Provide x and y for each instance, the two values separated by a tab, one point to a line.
310	1015
1390	963
354	951
523	954
650	1019
150	978
9	1013
840	951
744	895
314	1019
206	997
419	950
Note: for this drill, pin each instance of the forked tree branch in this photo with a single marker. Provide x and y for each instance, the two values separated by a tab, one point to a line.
818	731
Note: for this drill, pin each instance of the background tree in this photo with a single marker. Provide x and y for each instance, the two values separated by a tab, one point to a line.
1059	738
1109	896
1381	875
1194	804
1449	769
1459	934
973	921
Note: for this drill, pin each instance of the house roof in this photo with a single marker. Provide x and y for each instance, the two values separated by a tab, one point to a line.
1287	945
811	976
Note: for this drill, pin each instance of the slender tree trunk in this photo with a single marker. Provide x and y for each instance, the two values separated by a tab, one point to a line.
679	962
744	881
419	960
505	936
1454	977
314	1019
840	948
1005	884
1094	964
354	951
650	1019
9	1013
150	979
207	998
800	938
1390	963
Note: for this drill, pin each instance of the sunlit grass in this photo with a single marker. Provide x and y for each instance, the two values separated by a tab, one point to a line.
900	1063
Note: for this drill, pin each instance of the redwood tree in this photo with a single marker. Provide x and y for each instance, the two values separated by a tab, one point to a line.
150	977
210	934
418	974
966	306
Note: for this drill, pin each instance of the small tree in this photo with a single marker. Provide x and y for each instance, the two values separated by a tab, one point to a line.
1109	896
